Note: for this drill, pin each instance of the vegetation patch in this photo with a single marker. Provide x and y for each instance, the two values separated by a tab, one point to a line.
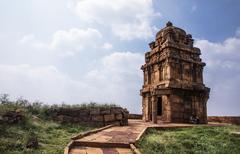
26	127
199	139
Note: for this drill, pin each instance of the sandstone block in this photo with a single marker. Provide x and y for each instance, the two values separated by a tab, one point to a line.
63	118
76	119
95	111
105	111
84	112
110	117
97	118
86	118
116	110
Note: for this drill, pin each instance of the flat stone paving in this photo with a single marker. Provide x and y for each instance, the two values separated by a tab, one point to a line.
94	150
117	135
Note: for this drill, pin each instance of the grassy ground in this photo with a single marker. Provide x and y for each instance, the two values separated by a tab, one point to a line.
52	136
212	140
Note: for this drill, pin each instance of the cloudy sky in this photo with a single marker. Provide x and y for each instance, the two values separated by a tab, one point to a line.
91	50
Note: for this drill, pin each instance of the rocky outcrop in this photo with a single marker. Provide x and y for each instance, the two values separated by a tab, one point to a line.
12	117
224	119
94	116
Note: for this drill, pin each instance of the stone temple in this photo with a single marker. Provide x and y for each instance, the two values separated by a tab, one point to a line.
173	88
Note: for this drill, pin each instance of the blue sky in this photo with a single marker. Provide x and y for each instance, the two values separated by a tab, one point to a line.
86	50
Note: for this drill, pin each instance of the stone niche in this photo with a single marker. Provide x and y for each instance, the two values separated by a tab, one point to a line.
173	88
92	116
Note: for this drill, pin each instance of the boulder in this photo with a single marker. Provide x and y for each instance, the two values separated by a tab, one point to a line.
119	116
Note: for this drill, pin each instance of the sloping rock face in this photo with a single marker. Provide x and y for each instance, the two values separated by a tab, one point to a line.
92	116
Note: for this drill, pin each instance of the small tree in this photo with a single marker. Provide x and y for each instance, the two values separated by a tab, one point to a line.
22	102
4	98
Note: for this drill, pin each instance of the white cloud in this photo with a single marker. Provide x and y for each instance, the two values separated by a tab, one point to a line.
41	82
128	19
230	45
222	74
75	39
116	79
225	54
27	38
87	42
238	32
107	46
31	40
119	79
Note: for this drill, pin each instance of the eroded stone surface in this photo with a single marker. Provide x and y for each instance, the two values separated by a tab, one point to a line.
173	89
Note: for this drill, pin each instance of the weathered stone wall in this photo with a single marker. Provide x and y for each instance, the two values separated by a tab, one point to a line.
93	116
224	119
134	116
184	106
12	117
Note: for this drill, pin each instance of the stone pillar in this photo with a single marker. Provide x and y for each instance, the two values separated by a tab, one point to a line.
205	113
154	110
143	109
146	109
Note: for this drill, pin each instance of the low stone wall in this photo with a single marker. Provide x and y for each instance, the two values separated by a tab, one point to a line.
12	117
94	116
134	116
224	119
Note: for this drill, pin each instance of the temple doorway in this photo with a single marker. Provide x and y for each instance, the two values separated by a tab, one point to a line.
159	106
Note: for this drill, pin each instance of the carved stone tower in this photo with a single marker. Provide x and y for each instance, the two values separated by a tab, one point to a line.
173	87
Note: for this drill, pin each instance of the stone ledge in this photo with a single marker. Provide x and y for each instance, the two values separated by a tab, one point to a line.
134	149
81	135
101	144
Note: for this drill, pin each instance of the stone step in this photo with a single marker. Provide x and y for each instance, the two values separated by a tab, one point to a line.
97	150
101	144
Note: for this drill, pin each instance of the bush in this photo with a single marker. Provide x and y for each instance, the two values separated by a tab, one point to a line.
40	109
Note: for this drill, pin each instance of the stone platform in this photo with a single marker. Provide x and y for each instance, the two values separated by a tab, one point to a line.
117	139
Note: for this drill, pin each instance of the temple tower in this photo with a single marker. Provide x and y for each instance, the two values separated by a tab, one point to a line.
173	88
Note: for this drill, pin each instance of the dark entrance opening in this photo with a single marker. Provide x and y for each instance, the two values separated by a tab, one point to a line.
159	106
150	108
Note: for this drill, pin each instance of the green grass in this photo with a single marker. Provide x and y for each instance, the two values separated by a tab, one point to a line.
52	136
199	140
